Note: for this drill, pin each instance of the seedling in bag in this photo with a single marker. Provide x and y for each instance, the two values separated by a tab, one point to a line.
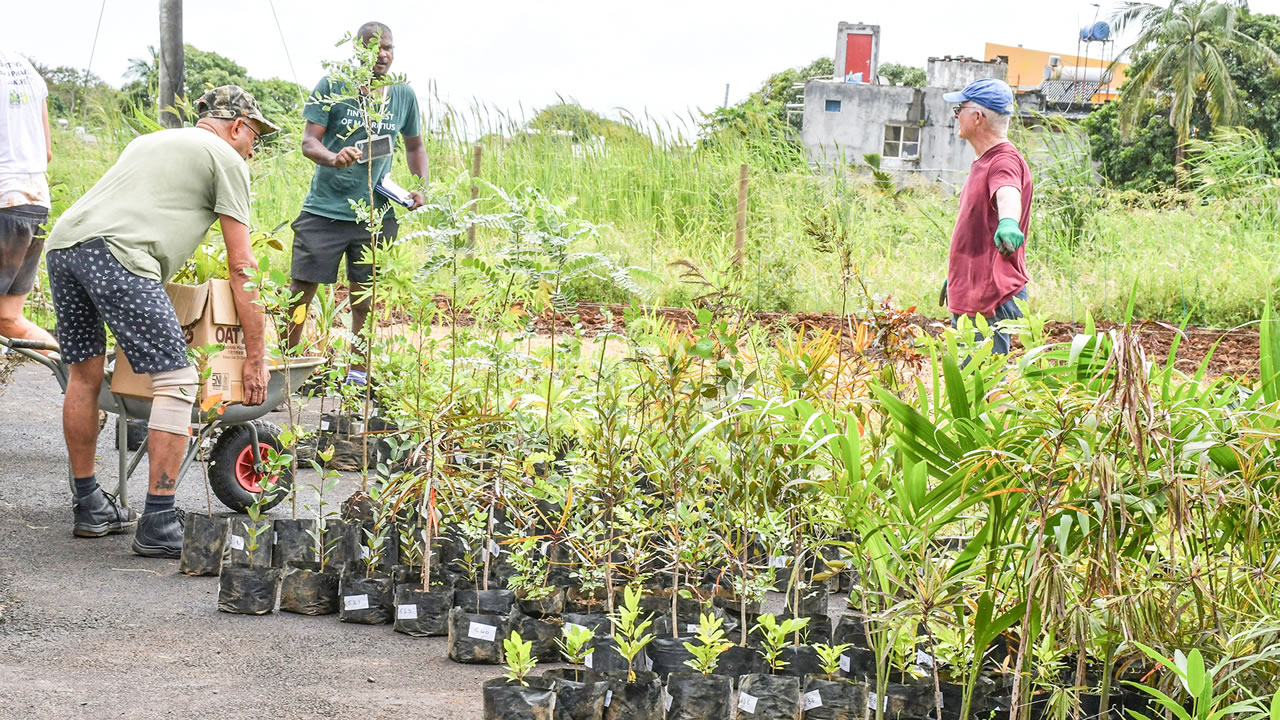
774	637
629	631
711	643
520	659
829	657
575	645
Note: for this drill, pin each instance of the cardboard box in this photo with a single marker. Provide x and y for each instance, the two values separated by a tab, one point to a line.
208	316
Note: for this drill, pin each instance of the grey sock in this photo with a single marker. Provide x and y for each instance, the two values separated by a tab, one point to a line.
157	503
85	486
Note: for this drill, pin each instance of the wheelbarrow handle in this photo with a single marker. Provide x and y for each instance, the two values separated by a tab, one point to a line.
25	344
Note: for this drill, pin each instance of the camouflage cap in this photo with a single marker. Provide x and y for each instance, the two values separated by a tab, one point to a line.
230	102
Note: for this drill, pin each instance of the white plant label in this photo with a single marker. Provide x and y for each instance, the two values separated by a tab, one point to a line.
924	659
666	700
608	697
324	424
494	549
812	699
407	612
937	698
588	660
574	627
355	602
780	561
747	702
275	538
546	544
480	631
357	428
873	700
845	664
237	542
691	628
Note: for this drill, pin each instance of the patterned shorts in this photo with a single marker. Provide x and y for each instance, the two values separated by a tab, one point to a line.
90	286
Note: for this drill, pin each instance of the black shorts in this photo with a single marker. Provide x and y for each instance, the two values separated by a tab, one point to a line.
21	241
89	286
319	243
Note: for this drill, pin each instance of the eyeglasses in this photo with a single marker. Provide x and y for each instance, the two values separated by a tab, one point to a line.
955	111
257	136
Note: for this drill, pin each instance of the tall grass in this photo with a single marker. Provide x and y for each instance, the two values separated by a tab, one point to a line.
663	197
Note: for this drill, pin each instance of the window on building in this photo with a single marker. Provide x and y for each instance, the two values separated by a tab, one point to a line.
901	141
833	106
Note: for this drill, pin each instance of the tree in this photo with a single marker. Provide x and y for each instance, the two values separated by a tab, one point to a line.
903	74
204	70
1187	41
73	91
1146	161
581	124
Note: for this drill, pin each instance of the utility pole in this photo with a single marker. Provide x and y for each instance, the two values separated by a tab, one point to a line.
172	60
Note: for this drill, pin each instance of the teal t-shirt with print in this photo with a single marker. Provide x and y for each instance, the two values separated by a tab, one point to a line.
333	189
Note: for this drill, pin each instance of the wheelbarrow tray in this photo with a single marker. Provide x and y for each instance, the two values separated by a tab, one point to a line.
278	386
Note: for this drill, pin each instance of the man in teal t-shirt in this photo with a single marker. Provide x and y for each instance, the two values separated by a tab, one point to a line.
326	230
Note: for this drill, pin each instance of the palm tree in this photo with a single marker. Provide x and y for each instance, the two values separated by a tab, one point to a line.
1186	39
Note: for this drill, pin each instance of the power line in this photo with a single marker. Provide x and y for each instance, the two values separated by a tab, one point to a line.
94	48
285	45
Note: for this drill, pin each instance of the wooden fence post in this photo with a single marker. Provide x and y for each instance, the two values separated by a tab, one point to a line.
740	229
475	191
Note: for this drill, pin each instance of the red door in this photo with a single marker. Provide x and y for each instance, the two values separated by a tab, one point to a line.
857	55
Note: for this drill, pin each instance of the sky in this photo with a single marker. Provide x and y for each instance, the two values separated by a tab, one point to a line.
664	58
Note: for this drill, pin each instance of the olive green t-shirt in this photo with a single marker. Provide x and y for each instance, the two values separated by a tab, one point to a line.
155	205
333	189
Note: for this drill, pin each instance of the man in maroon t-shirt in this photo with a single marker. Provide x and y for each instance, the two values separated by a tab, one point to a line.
986	270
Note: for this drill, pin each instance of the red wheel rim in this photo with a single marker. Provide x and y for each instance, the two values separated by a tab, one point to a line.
246	476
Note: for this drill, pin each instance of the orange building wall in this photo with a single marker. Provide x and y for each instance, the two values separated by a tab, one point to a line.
1026	67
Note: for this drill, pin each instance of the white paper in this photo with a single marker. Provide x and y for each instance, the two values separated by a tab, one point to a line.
494	549
845	664
480	631
357	427
666	700
873	700
780	561
237	542
924	659
275	538
937	698
324	424
747	702
545	544
355	602
589	661
573	627
407	612
691	628
812	699
608	697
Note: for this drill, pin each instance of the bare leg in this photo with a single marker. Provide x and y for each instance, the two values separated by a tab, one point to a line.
164	453
308	291
14	325
80	414
359	316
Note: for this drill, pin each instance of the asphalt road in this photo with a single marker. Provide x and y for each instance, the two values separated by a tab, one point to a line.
92	631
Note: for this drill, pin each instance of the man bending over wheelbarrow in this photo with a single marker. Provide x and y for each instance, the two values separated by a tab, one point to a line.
109	256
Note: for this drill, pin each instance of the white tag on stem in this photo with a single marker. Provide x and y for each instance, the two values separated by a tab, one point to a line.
588	660
666	700
608	697
237	542
407	612
324	424
480	631
873	700
691	628
747	702
355	602
494	548
937	698
812	699
845	664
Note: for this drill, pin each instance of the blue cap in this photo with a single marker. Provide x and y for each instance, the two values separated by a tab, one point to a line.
990	93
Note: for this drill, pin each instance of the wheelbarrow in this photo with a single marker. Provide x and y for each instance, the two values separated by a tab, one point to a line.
240	438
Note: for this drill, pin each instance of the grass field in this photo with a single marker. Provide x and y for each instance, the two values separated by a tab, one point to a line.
661	201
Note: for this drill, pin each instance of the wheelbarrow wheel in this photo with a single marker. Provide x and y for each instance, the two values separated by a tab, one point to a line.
231	471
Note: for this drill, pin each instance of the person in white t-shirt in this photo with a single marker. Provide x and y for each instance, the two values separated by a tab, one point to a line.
25	152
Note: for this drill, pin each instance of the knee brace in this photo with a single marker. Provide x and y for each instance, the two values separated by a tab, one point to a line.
174	394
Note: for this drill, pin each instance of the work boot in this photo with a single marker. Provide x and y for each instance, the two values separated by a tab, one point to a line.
100	513
160	534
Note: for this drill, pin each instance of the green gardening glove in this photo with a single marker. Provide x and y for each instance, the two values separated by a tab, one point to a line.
1008	237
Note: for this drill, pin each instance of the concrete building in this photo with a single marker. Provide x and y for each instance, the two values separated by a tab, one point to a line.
911	128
